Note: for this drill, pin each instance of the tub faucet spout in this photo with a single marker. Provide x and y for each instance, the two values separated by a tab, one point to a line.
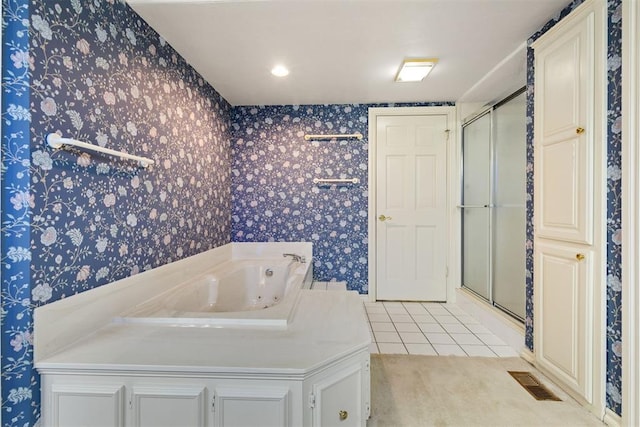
296	258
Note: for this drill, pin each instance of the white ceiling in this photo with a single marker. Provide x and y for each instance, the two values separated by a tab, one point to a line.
348	51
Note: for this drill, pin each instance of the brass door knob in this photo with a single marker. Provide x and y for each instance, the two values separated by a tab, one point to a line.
579	257
579	130
343	415
384	218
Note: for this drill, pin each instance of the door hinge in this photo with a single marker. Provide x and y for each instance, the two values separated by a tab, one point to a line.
213	403
446	274
312	400
130	402
447	131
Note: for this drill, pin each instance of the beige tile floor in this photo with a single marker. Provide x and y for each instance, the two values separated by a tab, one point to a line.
430	329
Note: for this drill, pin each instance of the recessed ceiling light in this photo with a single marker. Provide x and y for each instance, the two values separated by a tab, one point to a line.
280	71
415	69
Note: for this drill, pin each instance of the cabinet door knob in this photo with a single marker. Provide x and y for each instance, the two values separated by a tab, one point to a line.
579	130
343	415
579	257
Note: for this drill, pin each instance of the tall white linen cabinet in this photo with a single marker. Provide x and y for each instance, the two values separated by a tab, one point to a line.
570	202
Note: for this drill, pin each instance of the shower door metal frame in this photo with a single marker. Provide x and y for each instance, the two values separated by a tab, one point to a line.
491	202
489	206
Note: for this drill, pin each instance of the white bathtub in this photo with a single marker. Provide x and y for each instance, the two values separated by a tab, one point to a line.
258	292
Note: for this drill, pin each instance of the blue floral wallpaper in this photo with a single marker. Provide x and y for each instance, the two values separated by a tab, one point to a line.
614	202
74	219
274	198
20	384
614	207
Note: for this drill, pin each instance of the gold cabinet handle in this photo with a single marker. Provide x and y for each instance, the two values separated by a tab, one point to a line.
343	415
384	218
579	130
579	257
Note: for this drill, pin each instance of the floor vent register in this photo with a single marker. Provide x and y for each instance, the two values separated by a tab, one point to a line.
533	386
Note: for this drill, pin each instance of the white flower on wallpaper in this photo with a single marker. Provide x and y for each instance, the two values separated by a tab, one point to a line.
42	292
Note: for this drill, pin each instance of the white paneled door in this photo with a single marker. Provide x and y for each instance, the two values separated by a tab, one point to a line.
411	212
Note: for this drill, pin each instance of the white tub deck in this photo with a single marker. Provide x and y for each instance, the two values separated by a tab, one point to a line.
196	375
326	326
80	333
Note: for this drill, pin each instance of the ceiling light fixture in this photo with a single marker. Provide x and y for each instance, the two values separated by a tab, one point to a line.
280	71
415	69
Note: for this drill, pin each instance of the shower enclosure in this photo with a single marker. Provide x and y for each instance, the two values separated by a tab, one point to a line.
493	204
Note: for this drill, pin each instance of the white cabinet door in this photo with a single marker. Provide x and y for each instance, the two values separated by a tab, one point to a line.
564	136
562	298
83	405
168	405
252	406
338	398
411	193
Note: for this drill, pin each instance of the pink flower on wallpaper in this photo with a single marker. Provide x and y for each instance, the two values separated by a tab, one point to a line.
616	127
83	46
20	59
48	106
49	236
617	237
109	200
16	342
22	200
22	340
123	59
109	98
83	273
617	348
84	160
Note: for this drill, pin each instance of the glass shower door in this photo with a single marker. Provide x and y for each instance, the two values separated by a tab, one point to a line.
493	205
509	193
475	208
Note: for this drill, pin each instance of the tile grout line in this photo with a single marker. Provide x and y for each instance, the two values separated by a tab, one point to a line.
474	334
425	306
448	333
420	329
394	327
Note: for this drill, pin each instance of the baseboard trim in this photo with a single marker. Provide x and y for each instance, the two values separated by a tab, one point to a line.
528	355
611	418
